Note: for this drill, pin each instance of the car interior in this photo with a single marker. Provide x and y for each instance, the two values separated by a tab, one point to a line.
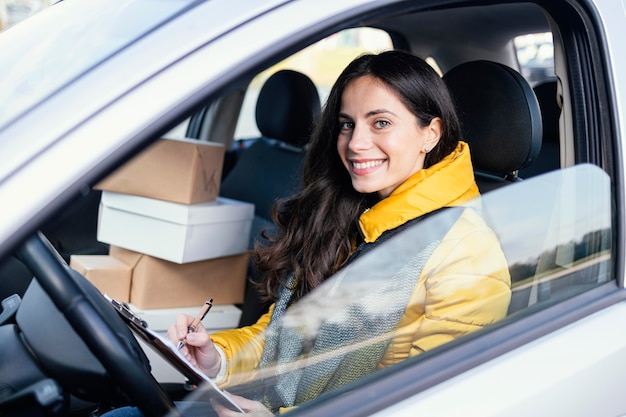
285	111
522	118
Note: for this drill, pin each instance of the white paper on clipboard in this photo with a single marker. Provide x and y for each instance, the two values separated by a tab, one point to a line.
166	349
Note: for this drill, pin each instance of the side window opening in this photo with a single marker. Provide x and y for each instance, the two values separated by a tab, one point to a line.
535	54
180	131
322	62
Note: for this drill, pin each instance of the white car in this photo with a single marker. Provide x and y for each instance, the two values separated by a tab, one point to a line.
85	86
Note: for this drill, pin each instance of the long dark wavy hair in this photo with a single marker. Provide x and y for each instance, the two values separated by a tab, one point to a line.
316	227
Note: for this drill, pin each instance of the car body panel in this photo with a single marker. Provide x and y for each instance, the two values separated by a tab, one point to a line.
540	377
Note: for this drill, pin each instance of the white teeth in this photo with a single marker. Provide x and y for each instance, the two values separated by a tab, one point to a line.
365	165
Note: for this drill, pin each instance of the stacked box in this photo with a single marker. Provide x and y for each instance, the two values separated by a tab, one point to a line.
220	317
175	232
110	275
157	283
173	242
179	170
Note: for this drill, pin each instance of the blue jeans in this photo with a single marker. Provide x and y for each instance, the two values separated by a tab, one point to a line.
187	409
124	412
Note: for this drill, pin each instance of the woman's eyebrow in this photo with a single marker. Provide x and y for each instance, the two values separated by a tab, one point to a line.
369	113
378	111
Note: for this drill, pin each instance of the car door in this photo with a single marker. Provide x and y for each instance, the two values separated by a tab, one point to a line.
557	353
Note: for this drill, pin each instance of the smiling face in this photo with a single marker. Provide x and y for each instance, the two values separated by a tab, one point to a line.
380	140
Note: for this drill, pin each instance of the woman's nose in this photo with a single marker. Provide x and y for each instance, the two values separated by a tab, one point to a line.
360	139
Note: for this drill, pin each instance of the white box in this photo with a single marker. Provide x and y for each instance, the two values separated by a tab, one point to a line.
220	317
175	232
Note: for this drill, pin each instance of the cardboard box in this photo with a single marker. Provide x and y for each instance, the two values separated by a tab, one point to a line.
175	232
157	283
110	275
179	170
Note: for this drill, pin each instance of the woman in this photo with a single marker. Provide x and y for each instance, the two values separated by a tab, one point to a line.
385	154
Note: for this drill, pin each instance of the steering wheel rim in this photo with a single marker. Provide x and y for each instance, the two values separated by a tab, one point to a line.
114	354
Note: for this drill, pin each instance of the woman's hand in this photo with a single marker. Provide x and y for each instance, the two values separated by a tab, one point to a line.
198	348
252	408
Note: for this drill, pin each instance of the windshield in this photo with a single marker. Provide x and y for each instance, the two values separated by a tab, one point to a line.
554	230
56	46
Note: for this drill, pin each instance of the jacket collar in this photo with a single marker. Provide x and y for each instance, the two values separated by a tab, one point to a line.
449	182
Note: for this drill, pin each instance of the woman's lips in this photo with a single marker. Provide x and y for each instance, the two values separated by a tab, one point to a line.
362	167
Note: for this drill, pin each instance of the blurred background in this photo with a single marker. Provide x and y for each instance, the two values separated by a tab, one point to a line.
13	11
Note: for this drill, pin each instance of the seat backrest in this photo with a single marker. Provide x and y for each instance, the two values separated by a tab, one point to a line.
500	119
287	107
549	157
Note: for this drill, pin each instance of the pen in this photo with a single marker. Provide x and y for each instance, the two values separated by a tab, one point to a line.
196	321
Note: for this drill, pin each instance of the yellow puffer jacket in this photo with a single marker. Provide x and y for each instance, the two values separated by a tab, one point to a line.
464	286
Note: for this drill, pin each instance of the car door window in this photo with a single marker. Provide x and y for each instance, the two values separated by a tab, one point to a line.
561	246
555	231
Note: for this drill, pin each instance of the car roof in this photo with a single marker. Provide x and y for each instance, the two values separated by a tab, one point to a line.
469	33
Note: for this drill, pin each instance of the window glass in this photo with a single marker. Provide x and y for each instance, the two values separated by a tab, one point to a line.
555	232
322	62
14	11
71	49
560	244
535	54
179	132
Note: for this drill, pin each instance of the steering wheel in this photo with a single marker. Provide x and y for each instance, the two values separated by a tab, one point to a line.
116	351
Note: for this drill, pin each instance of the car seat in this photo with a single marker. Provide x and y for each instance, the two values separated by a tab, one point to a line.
269	169
500	120
549	156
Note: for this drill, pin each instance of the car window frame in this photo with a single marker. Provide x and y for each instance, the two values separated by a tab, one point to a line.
458	357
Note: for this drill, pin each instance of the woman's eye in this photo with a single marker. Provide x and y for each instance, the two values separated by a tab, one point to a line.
381	123
346	125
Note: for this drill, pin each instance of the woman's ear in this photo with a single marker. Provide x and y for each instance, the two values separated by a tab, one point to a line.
433	133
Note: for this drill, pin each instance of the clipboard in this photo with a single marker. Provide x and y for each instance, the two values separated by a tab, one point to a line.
168	351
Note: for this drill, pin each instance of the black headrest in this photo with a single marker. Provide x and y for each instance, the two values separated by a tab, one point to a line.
287	107
499	113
